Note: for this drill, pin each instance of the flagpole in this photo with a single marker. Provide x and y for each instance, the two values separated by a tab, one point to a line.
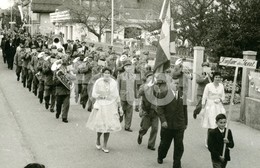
112	23
230	110
162	10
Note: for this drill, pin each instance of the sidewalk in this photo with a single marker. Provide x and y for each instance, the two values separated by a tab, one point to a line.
30	133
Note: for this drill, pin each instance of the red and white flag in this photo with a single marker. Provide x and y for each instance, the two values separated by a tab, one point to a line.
166	44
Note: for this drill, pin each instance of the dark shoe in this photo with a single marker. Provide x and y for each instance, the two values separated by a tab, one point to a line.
35	93
84	106
194	115
139	139
177	165
128	129
57	115
41	101
65	120
46	105
151	148
160	161
18	78
51	110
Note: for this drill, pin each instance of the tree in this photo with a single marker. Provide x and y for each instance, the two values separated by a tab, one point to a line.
6	17
95	15
223	27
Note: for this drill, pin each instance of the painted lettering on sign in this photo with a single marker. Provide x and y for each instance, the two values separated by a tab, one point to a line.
236	62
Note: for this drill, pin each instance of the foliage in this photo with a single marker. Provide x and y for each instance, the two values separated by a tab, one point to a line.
95	17
237	98
223	27
228	85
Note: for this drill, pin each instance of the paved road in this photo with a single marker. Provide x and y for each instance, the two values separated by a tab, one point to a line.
29	133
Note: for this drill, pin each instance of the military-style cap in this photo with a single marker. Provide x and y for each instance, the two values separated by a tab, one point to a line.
205	64
147	74
127	62
53	47
60	50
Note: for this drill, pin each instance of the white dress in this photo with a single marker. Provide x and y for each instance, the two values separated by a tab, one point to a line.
104	116
213	106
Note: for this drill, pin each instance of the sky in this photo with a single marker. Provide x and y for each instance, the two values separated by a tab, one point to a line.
5	4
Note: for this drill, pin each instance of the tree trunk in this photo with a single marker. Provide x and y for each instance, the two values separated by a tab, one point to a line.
99	38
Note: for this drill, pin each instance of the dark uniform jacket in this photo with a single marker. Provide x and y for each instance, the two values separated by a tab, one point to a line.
216	143
202	82
147	106
172	112
47	72
60	88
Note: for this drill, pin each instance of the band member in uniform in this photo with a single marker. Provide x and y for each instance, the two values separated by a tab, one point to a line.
49	88
148	113
62	93
87	74
126	83
40	76
26	59
19	62
78	64
30	68
34	62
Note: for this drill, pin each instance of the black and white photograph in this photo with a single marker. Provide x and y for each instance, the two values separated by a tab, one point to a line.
129	83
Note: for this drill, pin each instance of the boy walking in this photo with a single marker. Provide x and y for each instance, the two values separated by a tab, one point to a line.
216	141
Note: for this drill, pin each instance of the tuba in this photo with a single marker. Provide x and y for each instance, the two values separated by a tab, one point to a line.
57	41
61	75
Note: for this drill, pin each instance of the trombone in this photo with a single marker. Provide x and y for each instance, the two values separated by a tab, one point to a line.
185	69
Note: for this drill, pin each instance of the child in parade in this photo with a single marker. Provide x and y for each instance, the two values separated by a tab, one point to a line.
216	141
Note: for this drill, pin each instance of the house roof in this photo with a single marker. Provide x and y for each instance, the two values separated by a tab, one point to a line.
45	6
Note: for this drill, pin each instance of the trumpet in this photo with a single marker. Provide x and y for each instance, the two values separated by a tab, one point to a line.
185	69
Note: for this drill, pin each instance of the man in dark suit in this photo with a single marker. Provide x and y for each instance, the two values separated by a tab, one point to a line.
66	45
173	118
76	45
84	47
10	50
216	142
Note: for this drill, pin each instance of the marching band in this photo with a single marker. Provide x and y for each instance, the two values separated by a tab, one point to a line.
52	70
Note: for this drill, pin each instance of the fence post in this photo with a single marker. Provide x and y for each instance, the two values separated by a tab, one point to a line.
245	84
197	69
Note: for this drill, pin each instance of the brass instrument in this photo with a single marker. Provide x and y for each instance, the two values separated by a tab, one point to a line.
185	70
61	76
58	41
38	75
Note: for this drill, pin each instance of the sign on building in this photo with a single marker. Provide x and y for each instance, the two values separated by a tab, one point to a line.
237	62
59	16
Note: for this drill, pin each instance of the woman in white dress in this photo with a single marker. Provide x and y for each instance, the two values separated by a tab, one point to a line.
212	99
104	117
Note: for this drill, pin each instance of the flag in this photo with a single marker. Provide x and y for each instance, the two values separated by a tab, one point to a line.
21	11
166	44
